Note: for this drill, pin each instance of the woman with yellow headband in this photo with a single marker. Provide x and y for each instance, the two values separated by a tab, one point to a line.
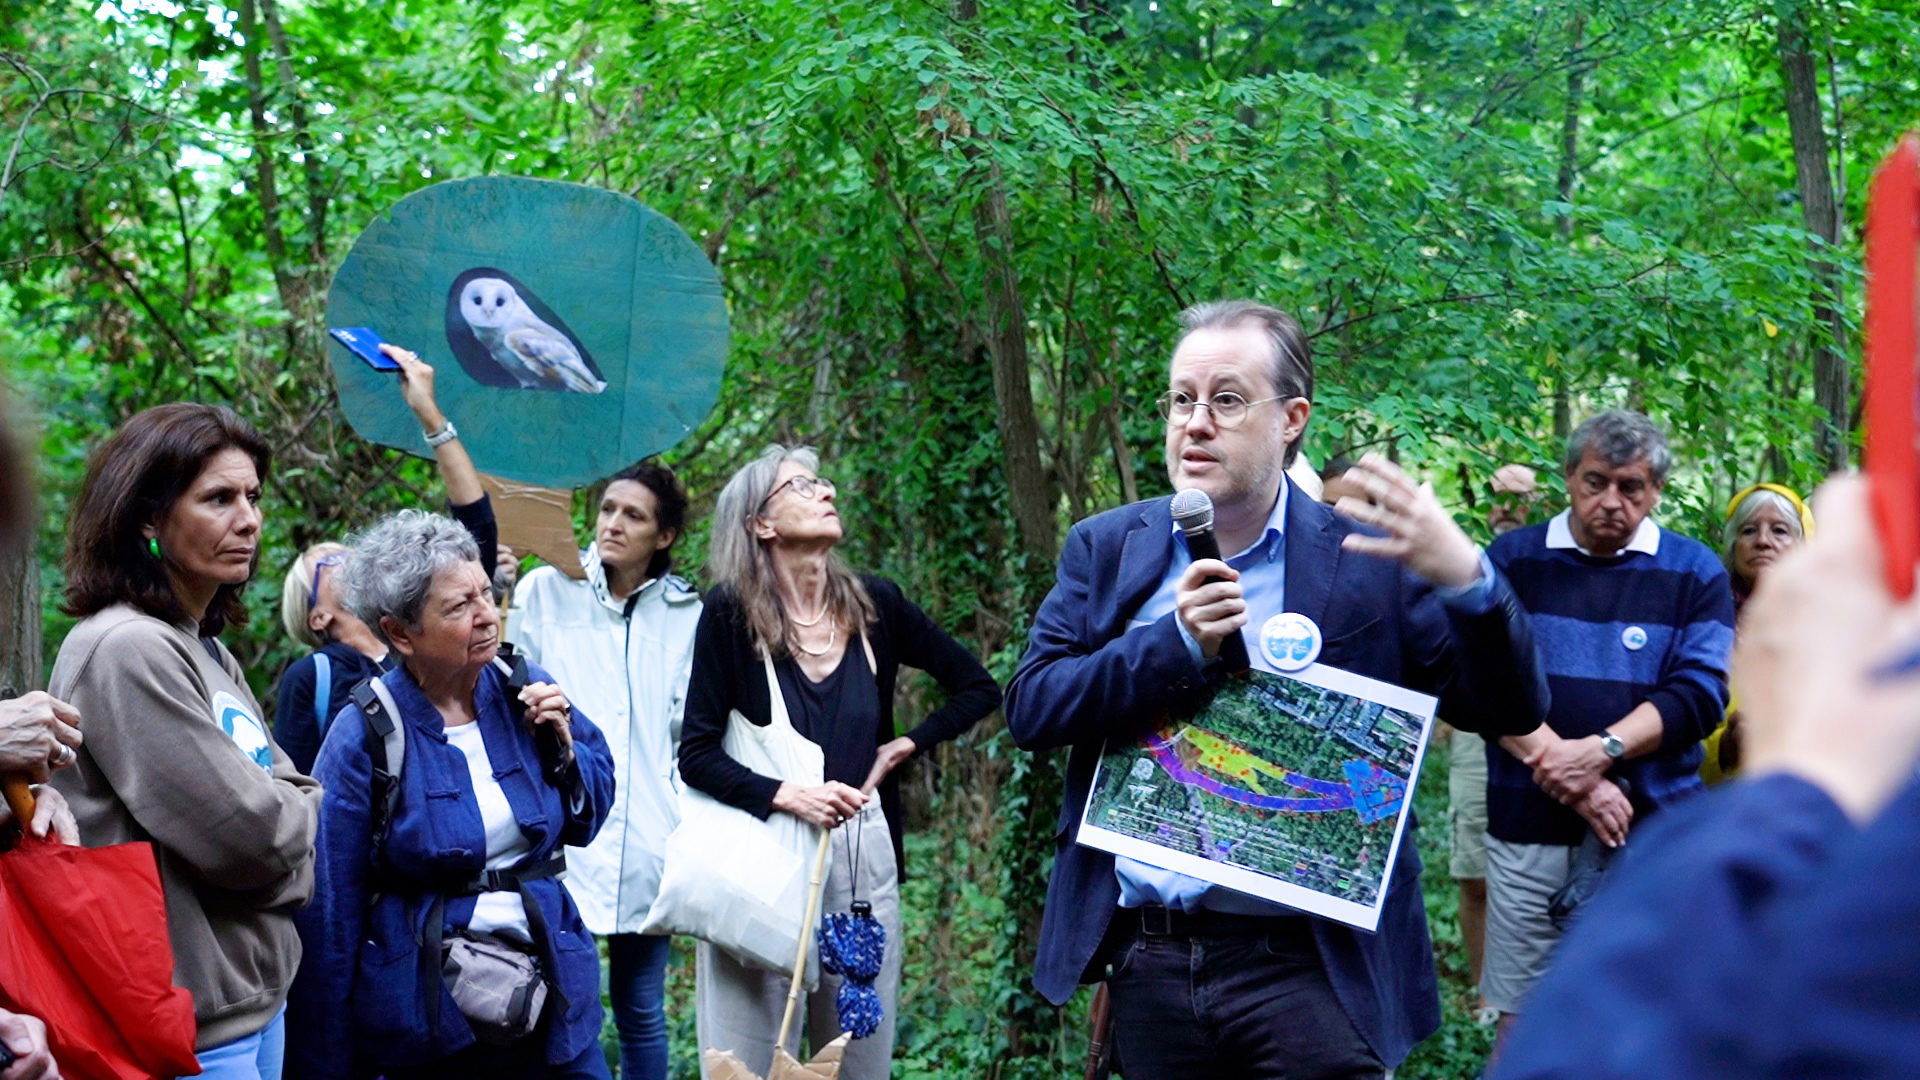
1764	522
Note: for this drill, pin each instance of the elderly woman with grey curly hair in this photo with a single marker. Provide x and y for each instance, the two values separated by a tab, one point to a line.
440	942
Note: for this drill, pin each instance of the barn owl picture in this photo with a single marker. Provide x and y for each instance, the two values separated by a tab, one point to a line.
535	354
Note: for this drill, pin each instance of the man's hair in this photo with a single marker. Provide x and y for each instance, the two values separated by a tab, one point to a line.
132	480
1620	437
670	506
1291	369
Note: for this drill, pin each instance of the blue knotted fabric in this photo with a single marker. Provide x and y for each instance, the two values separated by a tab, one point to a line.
853	945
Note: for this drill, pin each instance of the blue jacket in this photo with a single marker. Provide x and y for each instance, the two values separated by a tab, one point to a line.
1086	679
1753	932
358	1000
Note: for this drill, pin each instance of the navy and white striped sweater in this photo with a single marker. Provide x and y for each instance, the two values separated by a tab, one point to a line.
1677	605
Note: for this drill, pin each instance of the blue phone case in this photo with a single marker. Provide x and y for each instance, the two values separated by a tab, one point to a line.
365	344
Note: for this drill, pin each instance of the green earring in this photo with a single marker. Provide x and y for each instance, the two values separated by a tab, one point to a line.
153	546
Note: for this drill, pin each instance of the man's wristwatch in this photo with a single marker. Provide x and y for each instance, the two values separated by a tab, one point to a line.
1615	747
444	435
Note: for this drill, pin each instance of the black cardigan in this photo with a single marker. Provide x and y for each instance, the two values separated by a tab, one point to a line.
728	674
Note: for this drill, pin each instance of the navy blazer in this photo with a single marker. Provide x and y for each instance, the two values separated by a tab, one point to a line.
1085	679
357	1002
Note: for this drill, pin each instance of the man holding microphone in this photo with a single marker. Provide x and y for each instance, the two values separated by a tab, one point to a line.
1206	981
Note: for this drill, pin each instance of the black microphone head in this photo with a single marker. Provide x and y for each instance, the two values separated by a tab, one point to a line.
1192	510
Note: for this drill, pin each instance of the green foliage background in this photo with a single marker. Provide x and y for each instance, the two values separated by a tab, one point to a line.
182	178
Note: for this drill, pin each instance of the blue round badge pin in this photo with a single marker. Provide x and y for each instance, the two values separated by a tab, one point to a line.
1634	638
1291	641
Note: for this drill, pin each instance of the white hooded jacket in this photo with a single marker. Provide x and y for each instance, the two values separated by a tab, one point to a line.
623	663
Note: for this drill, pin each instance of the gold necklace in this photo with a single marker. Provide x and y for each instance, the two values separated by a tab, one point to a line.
833	635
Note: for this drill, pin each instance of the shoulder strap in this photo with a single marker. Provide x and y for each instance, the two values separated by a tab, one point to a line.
387	748
322	691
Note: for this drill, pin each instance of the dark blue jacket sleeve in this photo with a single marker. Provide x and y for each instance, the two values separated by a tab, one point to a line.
294	727
478	517
1666	974
1066	692
1482	664
320	1006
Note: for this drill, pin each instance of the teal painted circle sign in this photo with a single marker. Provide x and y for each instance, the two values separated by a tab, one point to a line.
572	331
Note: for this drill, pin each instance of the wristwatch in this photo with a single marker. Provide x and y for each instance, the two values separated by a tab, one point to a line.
1615	747
444	435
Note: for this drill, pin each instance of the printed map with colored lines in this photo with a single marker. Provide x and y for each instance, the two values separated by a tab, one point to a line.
1278	776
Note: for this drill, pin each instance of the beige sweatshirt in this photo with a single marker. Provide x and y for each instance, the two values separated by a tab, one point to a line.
176	752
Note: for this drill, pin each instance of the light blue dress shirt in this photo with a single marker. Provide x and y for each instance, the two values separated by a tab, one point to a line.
1263	579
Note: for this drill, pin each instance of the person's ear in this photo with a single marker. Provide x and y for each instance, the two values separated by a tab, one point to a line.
398	635
1296	412
664	539
318	620
763	528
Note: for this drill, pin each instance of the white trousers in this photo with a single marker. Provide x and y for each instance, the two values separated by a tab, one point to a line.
740	1007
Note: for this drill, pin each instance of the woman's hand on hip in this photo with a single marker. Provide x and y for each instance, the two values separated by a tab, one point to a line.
547	704
886	759
826	805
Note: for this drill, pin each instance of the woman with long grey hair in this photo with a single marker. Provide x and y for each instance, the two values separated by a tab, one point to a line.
786	614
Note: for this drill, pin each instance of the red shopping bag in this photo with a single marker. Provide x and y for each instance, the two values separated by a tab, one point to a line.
83	946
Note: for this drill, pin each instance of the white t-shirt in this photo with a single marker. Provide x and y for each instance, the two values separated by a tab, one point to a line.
501	914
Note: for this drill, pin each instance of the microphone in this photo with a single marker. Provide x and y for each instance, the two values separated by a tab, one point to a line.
1193	513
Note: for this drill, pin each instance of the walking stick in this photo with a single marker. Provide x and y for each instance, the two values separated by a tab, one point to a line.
806	936
19	800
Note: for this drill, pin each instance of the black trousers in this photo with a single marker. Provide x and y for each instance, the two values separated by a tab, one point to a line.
1231	1006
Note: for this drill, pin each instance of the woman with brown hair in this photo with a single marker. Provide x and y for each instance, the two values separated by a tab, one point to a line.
786	612
162	540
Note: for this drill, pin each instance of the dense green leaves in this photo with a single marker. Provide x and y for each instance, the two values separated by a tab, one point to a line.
1484	215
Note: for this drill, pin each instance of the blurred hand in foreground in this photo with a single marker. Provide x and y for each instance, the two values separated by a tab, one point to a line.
1813	663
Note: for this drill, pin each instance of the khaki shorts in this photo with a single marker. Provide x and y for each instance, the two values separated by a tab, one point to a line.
1467	805
1521	881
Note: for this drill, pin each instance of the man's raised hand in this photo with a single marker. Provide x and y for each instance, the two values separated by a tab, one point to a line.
1421	535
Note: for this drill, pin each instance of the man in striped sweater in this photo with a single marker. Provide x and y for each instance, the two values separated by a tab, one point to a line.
1635	628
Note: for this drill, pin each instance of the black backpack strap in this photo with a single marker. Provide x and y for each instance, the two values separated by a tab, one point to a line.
383	794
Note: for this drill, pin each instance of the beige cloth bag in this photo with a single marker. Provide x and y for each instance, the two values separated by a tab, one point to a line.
736	881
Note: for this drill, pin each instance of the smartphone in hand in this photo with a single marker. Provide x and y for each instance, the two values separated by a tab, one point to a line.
365	344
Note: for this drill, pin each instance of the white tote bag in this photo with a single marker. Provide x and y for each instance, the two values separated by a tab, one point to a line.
731	879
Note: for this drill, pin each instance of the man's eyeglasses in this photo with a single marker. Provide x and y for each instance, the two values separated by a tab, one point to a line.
313	591
804	486
1228	408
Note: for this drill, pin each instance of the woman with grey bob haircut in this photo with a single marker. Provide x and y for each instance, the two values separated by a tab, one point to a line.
390	568
466	856
788	627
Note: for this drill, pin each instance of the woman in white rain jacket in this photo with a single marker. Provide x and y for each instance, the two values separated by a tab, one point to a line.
620	644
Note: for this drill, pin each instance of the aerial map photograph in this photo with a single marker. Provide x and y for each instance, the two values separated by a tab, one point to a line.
1279	776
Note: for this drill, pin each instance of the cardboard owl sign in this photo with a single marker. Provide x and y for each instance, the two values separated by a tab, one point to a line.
572	330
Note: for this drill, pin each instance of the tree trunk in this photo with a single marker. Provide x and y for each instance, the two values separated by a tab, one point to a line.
1006	333
1813	170
20	660
1569	175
